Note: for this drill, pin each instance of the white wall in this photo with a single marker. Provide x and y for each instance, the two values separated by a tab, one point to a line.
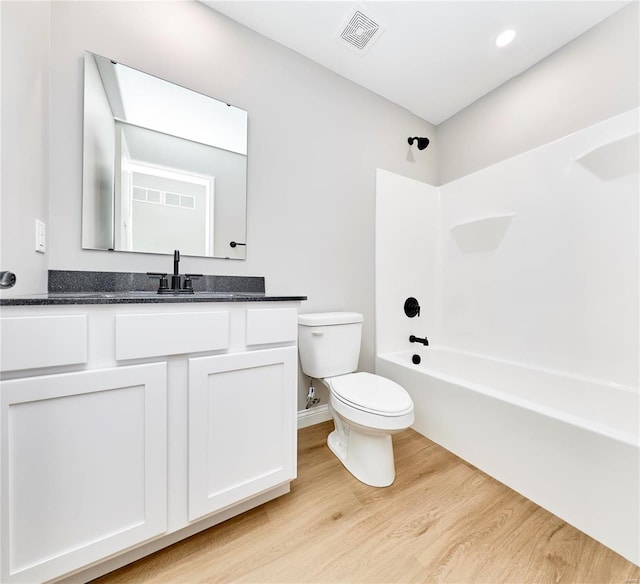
24	150
593	78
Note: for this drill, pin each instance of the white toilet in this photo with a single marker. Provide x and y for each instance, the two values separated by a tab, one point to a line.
366	408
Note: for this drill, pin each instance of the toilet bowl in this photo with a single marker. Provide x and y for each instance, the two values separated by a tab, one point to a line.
366	408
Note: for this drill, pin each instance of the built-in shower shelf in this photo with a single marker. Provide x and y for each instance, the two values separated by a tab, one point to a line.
614	159
482	234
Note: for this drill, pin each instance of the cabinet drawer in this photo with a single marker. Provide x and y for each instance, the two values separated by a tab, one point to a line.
154	335
29	342
271	325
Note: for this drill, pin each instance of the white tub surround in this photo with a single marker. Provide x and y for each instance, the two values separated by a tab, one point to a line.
528	277
535	260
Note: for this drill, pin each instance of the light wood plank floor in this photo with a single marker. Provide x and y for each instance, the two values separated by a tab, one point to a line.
441	521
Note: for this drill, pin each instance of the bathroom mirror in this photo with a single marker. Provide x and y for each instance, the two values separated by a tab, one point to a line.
164	167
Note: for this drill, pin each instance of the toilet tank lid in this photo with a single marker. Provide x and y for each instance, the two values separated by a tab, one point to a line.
329	318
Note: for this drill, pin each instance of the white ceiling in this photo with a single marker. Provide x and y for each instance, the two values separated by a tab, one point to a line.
434	57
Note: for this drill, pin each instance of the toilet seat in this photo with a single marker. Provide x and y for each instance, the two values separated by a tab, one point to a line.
371	393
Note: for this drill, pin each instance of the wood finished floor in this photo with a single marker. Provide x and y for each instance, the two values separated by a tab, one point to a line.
441	521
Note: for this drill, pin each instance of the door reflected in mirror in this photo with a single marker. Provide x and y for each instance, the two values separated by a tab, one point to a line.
164	167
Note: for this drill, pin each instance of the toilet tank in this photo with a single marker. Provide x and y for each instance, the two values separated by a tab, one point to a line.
329	343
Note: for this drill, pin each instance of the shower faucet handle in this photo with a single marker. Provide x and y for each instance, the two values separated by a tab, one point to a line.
411	307
414	339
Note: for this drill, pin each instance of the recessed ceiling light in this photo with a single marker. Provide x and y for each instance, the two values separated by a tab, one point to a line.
504	38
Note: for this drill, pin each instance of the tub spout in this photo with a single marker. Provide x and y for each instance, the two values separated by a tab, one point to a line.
414	339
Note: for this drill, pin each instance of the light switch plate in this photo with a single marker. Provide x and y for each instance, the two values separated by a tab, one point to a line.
41	236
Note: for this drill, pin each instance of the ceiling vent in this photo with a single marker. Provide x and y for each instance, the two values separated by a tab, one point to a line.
359	32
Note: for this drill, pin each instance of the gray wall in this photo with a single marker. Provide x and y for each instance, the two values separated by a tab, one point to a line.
24	34
315	141
593	78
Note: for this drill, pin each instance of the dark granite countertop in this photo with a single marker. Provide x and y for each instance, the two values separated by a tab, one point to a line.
141	297
81	287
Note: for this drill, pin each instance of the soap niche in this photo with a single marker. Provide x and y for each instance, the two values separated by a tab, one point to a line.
613	160
482	234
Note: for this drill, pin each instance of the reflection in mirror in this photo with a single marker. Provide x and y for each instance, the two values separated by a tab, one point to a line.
164	167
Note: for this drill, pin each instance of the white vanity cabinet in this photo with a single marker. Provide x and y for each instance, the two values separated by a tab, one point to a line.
126	427
84	468
240	426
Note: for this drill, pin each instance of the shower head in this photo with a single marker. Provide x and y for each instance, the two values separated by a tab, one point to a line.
422	142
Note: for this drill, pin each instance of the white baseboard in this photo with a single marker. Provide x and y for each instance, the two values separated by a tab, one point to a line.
313	416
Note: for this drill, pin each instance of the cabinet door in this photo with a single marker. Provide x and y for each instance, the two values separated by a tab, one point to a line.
242	426
84	468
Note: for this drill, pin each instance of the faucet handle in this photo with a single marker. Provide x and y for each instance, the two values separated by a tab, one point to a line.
188	284
163	283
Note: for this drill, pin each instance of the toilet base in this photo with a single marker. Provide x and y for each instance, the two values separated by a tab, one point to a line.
367	456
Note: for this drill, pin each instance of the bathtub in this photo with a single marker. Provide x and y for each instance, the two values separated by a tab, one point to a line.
569	444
